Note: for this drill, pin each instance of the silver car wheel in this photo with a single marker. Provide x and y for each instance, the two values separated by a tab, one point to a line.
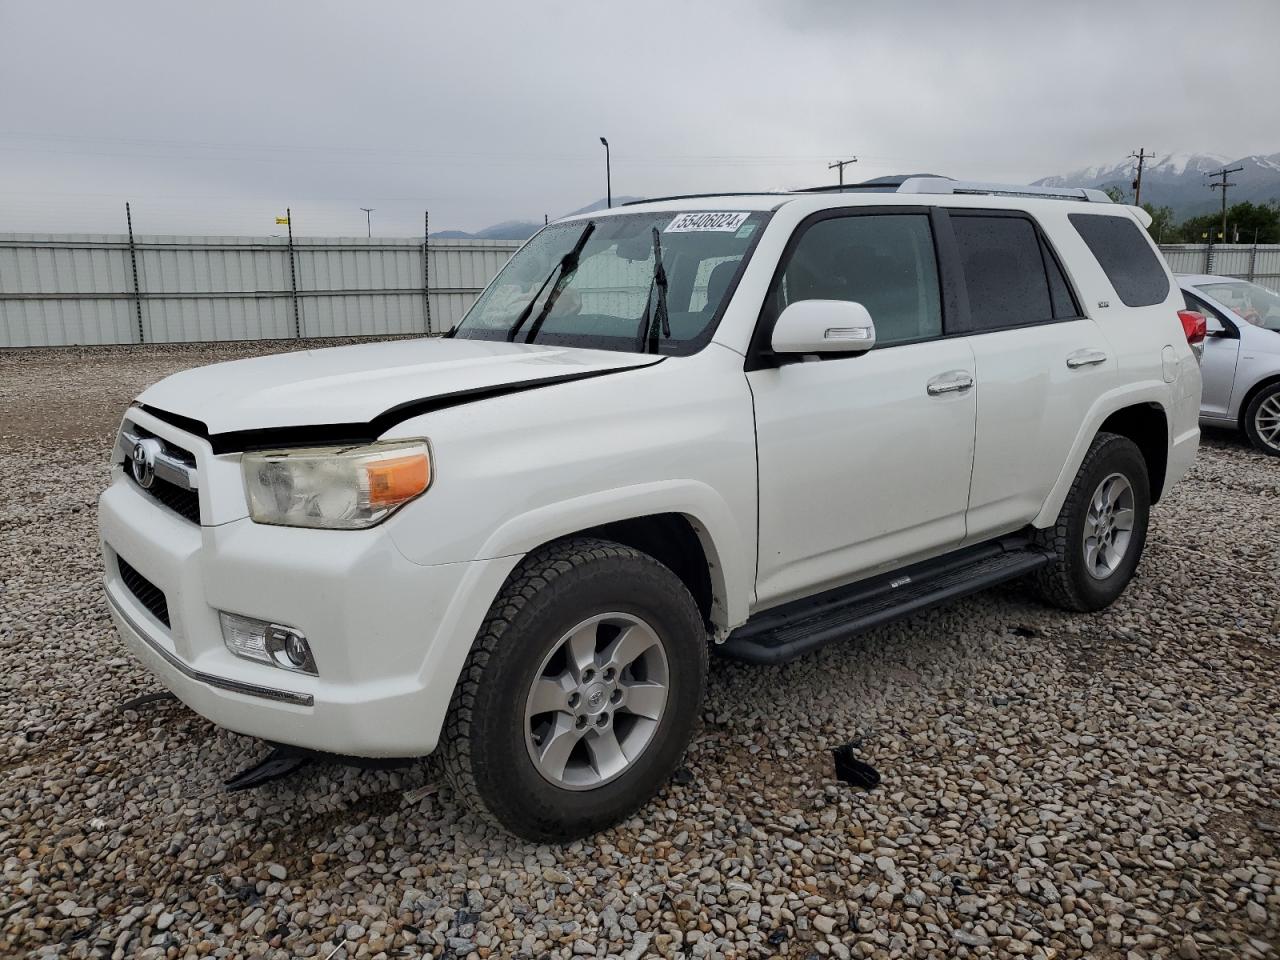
596	701
1267	421
1108	526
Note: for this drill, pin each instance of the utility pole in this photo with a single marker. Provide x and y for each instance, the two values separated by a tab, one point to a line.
1140	156
1222	185
368	221
840	165
608	176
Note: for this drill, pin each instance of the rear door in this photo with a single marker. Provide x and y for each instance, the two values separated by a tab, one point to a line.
1040	363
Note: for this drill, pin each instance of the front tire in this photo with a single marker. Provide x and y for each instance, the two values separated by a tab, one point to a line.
1262	420
580	693
1101	530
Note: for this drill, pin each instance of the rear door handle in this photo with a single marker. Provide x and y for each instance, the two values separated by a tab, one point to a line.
954	381
1085	358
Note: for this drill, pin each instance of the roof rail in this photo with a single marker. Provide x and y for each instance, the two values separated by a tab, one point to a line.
944	185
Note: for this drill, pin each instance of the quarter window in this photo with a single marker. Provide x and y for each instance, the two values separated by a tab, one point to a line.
1005	273
1126	256
884	262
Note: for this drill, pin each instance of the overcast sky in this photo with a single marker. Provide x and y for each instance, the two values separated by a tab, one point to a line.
213	117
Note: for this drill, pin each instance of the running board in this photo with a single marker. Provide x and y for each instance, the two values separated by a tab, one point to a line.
793	629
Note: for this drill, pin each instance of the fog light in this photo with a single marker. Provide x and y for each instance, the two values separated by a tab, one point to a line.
265	642
289	649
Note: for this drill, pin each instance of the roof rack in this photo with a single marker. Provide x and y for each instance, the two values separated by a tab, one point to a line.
946	185
703	196
913	183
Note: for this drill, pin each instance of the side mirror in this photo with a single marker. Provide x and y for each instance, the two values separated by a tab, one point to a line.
824	326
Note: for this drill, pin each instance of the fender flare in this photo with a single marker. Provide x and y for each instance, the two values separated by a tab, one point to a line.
1151	392
730	555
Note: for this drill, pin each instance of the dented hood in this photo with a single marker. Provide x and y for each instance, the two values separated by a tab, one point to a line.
374	384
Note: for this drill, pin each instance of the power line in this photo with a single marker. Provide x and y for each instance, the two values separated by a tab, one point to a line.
1222	185
1140	156
840	165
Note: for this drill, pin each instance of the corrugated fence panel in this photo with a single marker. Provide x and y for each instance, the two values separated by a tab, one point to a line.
78	289
1260	263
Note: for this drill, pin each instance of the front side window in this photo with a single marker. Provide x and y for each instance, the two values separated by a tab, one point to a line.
596	283
1249	301
1005	272
1126	256
884	262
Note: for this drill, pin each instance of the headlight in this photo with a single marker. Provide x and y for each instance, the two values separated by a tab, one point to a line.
335	488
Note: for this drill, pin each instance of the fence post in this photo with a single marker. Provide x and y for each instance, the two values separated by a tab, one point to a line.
293	276
426	266
1253	257
133	259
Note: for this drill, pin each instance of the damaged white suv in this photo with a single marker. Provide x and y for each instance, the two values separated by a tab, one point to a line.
749	424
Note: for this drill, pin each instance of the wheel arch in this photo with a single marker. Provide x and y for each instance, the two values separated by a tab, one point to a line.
1147	425
1140	414
685	525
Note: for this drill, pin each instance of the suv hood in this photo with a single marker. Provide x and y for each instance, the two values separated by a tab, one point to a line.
370	386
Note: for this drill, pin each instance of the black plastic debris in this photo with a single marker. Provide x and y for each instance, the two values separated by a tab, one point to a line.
1024	631
158	696
278	763
682	777
851	770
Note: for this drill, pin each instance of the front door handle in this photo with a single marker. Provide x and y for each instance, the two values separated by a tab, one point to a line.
954	381
1085	358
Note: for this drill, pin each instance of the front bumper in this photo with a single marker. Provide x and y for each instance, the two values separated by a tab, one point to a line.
389	636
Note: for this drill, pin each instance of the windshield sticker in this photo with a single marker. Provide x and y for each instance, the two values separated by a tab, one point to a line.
747	230
700	222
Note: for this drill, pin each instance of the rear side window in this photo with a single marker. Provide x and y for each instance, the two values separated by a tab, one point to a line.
884	262
1125	256
1005	272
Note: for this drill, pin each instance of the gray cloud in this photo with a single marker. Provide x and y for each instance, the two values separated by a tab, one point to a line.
213	117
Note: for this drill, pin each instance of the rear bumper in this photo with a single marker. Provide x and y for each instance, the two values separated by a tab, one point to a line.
388	635
1182	453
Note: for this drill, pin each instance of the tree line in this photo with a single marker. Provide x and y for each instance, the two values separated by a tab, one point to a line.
1249	222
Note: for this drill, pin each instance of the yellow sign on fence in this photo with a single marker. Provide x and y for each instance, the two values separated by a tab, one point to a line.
282	220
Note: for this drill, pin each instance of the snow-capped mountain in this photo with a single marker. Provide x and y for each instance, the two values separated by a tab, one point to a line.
1181	181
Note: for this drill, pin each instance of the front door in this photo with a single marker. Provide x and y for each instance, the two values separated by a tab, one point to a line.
864	461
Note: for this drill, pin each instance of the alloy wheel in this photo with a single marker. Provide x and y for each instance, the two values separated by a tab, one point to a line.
1267	421
1108	526
596	701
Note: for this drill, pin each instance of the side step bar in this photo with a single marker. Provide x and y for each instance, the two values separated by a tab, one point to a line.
793	629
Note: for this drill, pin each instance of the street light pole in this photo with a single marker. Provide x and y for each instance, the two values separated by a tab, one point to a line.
368	220
608	176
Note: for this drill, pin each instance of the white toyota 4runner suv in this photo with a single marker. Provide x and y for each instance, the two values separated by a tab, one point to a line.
744	423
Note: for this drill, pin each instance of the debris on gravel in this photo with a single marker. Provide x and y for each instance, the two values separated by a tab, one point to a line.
1052	785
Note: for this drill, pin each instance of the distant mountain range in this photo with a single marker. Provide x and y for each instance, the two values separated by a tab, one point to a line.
1180	180
521	229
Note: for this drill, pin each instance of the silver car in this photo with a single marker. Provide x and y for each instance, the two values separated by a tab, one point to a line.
1241	363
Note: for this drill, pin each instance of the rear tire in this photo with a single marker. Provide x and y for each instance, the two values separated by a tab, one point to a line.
580	694
1262	420
1101	530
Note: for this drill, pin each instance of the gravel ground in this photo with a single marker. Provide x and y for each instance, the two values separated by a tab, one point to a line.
1054	785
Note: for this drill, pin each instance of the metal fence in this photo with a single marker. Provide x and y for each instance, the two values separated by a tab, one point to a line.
80	289
60	290
1257	262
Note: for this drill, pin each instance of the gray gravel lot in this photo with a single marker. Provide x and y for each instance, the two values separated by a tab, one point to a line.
1054	785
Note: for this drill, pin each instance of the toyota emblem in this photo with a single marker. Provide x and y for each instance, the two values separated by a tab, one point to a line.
142	462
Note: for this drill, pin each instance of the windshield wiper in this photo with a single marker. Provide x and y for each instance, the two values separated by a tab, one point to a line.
562	271
661	318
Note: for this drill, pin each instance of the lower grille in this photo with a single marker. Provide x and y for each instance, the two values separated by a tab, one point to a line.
146	592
